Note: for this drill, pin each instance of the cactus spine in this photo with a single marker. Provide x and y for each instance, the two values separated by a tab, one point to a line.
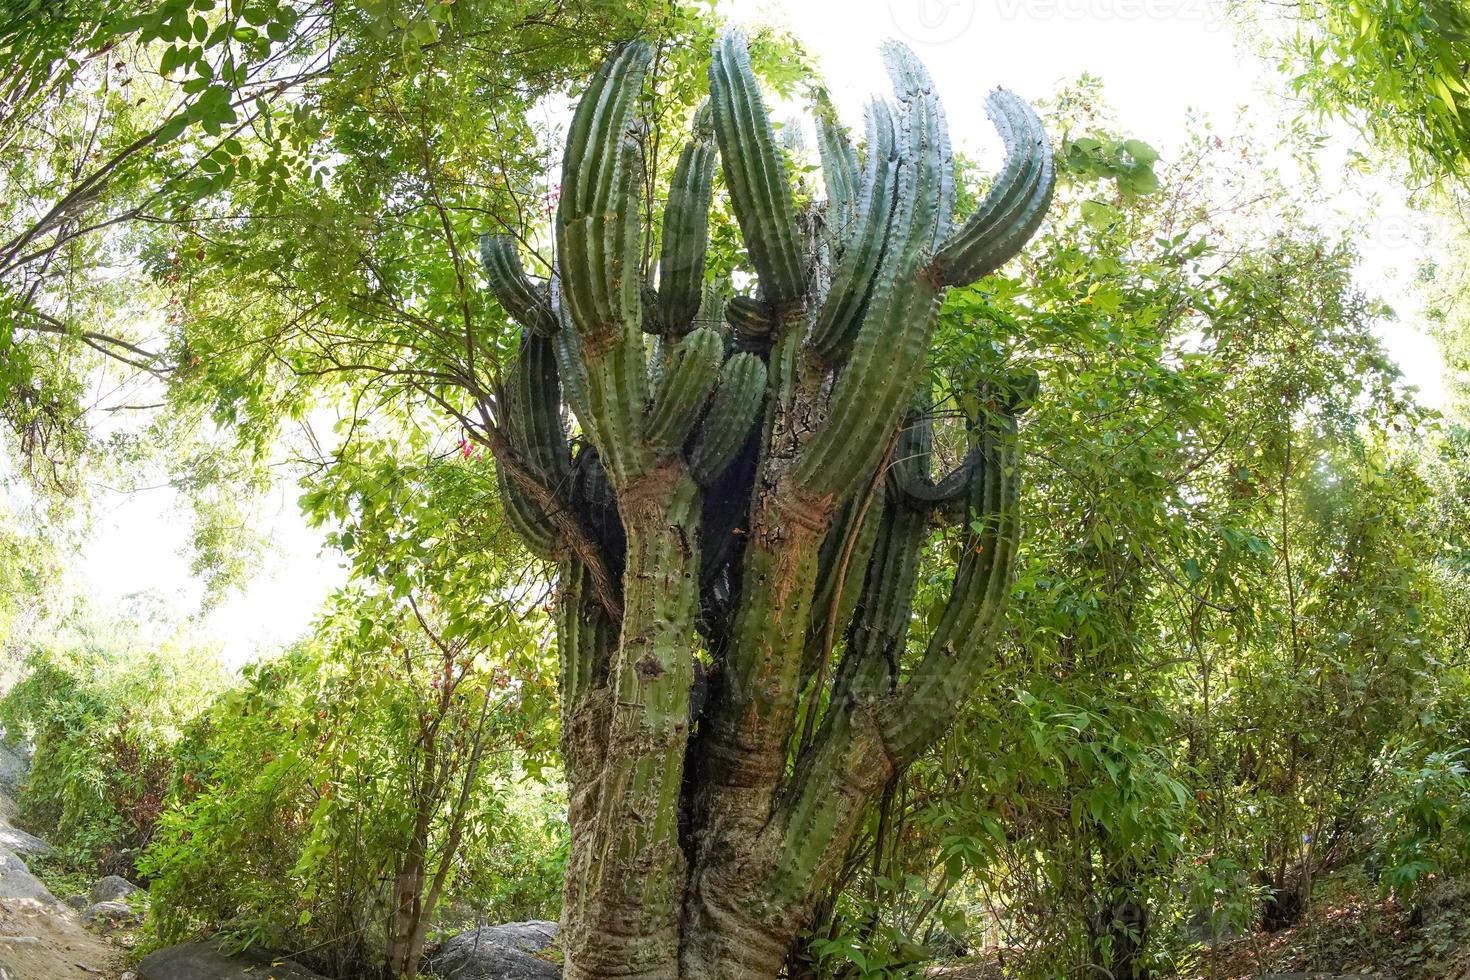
756	479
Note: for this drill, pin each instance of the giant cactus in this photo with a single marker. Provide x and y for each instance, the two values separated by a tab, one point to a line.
748	480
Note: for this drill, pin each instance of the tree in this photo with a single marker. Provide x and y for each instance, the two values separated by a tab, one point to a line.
739	497
1396	69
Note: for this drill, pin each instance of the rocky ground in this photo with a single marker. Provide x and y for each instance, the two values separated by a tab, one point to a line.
41	938
1353	931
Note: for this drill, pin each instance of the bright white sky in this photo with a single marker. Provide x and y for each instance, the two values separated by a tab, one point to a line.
1159	60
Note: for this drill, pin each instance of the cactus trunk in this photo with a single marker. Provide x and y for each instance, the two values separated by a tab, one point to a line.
736	506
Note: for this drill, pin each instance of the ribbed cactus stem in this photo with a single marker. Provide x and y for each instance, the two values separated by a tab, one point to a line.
530	401
841	170
687	383
598	245
962	642
526	302
733	411
528	521
1016	204
755	174
842	565
685	237
533	421
862	245
752	320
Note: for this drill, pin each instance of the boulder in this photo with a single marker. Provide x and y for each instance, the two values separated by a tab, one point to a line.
113	888
15	765
109	917
504	952
78	901
18	884
204	961
19	842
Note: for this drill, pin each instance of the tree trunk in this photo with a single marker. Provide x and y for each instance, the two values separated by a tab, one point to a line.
626	871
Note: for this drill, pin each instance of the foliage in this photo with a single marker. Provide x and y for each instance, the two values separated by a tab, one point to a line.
296	800
103	703
1231	588
377	772
1425	807
1394	68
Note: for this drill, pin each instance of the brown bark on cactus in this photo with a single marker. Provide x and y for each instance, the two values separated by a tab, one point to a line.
715	485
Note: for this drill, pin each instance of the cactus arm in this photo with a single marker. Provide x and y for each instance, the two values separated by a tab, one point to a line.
932	158
733	412
960	648
845	554
940	493
527	520
597	235
754	172
841	172
532	399
685	238
1016	204
526	302
880	623
909	471
880	626
594	212
529	402
852	281
585	637
567	344
687	383
870	394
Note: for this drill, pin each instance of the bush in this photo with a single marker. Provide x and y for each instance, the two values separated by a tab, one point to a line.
103	706
348	788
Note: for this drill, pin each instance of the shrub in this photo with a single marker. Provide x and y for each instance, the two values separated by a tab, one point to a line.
103	705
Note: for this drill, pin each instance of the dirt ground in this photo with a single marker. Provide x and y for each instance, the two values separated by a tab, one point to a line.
46	942
1353	929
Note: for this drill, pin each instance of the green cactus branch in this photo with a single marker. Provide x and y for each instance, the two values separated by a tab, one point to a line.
685	237
528	304
755	175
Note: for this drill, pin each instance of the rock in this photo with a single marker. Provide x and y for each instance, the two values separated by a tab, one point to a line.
505	952
113	888
19	842
203	961
108	917
77	902
17	882
15	765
